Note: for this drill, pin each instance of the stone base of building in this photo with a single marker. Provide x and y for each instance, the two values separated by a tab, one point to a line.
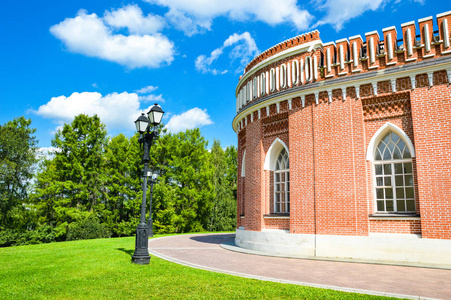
388	248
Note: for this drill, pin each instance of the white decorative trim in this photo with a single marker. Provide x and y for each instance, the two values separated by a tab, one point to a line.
330	76
245	121
252	117
393	85
278	107
316	97
431	78
389	28
342	73
391	218
428	56
448	72
355	37
373	67
356	70
267	110
374	88
259	114
357	91
329	94
289	103
443	14
343	92
303	100
372	32
411	59
446	52
339	41
276	217
391	63
408	23
412	81
424	19
380	133
243	165
271	155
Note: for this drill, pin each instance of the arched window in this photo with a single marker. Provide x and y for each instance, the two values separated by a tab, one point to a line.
393	175
263	84
272	80
282	183
283	76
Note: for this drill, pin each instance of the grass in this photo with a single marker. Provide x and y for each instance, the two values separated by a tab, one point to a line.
102	269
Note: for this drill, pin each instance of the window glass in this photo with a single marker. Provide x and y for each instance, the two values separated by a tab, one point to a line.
393	173
282	183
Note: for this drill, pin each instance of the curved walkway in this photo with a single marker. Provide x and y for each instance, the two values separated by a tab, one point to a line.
204	251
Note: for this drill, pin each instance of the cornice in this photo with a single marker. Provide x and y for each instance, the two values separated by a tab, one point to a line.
422	67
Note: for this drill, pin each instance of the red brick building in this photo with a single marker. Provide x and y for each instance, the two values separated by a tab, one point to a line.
344	147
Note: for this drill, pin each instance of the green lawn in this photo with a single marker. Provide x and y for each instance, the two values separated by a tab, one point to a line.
96	269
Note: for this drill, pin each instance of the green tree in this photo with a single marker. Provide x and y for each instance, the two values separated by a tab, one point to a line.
223	211
18	157
123	185
71	185
184	192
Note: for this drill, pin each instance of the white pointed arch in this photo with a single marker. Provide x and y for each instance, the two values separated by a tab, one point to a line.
273	152
380	134
243	165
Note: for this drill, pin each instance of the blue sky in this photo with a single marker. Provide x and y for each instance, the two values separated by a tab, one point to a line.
116	58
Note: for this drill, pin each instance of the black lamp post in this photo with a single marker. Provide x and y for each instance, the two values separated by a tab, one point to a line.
152	181
148	129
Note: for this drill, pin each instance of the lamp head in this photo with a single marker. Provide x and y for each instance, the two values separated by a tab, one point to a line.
141	123
155	114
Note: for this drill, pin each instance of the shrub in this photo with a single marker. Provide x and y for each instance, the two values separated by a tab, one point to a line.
88	228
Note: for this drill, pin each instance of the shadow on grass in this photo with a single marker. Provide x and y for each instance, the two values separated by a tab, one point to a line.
214	238
128	251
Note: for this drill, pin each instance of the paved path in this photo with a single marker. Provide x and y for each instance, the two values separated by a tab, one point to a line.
204	251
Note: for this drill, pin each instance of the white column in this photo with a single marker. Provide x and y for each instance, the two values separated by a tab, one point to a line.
343	92
357	91
393	85
342	58
431	78
288	77
329	94
409	42
412	81
315	67
289	103
389	47
328	60
303	100
317	98
372	51
277	79
445	33
278	107
301	70
355	54
374	88
427	39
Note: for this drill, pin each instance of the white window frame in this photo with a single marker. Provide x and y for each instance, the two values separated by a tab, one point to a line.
286	190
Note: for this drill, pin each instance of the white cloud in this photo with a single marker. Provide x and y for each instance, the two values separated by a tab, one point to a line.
190	119
47	152
348	9
152	98
93	36
117	111
146	89
131	17
146	96
243	49
196	16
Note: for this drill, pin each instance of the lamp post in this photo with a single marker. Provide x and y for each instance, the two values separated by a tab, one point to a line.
148	129
152	181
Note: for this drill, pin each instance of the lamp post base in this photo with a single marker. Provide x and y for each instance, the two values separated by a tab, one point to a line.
141	255
141	260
